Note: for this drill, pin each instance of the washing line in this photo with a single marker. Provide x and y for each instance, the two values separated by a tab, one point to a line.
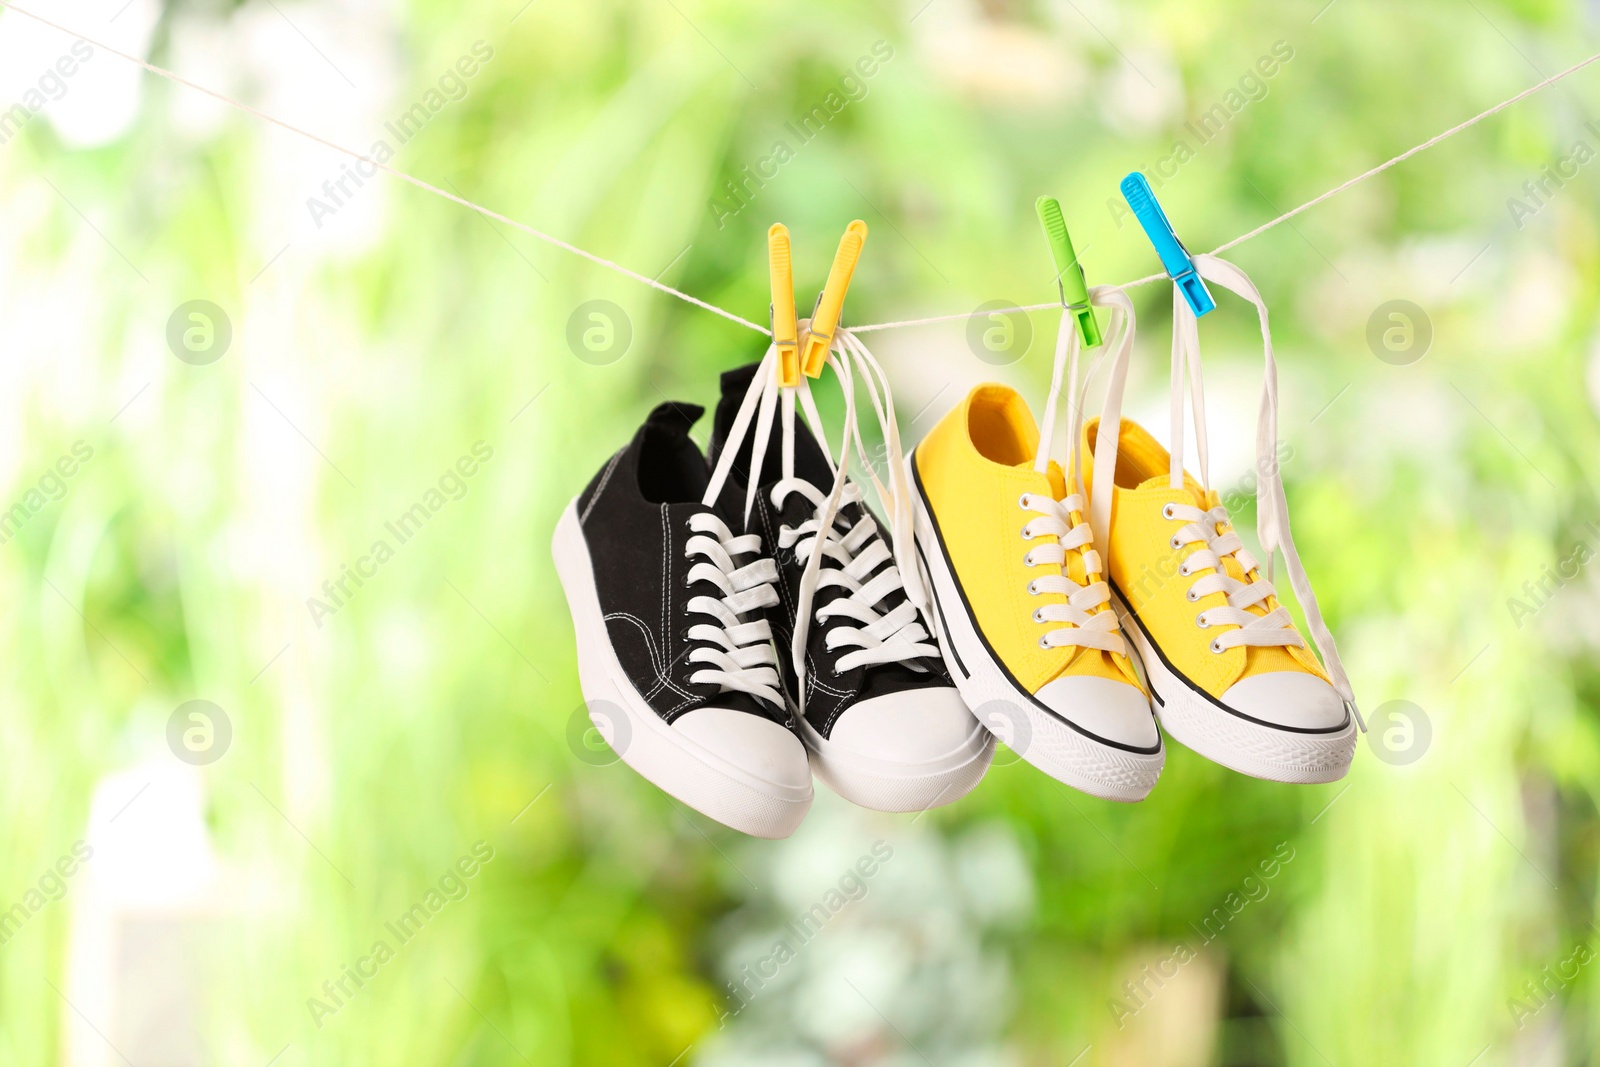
490	213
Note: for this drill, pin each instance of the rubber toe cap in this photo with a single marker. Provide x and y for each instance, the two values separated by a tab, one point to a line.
1294	699
1110	710
911	727
759	747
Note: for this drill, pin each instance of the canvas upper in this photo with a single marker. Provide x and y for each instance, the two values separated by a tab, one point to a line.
635	515
830	691
972	469
1148	571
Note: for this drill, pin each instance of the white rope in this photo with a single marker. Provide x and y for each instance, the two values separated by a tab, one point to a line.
1055	305
1285	217
402	175
902	323
1407	154
730	316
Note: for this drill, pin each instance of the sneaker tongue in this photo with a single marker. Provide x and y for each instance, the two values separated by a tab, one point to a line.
1058	481
809	461
1197	496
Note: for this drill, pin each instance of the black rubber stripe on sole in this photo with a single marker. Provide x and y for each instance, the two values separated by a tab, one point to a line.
944	623
1213	701
933	521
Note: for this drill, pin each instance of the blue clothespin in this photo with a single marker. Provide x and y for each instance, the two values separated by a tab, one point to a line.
1174	257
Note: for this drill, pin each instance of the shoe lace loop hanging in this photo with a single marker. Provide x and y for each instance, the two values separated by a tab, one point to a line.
1089	619
898	635
1201	525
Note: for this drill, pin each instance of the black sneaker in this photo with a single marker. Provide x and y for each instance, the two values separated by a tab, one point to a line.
675	657
885	725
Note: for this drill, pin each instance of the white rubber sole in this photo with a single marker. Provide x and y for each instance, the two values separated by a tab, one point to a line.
711	785
884	785
1058	748
1239	743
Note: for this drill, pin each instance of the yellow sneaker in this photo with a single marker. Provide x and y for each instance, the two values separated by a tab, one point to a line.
1022	611
1232	677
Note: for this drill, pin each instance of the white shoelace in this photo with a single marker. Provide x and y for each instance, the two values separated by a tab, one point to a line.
1086	624
1274	627
1200	525
851	554
1089	621
895	636
738	653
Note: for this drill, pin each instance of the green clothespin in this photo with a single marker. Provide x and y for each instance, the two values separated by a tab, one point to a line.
1069	272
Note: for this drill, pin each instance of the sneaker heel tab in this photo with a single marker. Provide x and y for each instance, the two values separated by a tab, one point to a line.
675	415
734	383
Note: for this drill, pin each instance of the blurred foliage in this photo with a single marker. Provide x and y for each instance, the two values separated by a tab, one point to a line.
436	708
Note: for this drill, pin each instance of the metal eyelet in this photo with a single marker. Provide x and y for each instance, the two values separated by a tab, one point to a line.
1183	570
1038	615
1166	512
1043	643
1177	546
1022	502
1033	588
1200	621
1216	649
1193	597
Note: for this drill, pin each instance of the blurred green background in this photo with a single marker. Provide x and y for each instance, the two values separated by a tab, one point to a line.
1435	908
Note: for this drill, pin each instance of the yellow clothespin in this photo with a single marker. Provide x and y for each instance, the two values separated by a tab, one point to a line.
830	302
781	313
